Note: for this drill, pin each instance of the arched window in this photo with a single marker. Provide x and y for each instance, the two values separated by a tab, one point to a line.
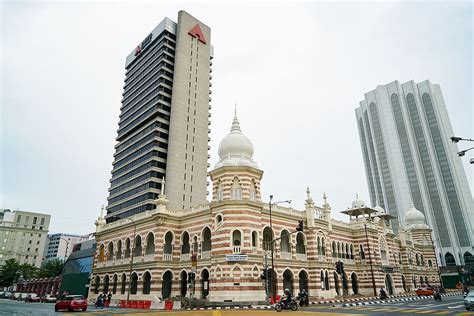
383	250
150	244
347	253
96	284
339	252
195	244
236	189
183	277
288	280
449	259
146	283
218	220
106	284
119	250
102	253
220	193
303	280
323	246
267	238
326	280
361	251
285	241
422	259
127	248
168	247
110	251
430	263
114	284
352	252
334	250
138	246
417	260
236	241
300	243
355	283
253	191
206	239
254	240
123	284
468	258
166	284
185	248
318	241
134	284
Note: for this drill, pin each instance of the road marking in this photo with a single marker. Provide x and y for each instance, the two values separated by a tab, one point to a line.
442	313
425	312
456	306
409	311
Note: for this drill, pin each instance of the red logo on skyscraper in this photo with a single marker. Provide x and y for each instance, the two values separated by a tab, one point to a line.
197	33
138	50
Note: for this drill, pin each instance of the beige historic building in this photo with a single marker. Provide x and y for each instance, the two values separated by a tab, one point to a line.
230	236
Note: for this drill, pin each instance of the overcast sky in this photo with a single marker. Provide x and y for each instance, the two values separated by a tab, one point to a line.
296	71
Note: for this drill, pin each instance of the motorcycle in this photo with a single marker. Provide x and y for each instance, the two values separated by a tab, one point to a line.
303	298
383	296
293	305
437	296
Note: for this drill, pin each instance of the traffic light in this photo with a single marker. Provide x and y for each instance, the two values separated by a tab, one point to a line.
300	227
264	274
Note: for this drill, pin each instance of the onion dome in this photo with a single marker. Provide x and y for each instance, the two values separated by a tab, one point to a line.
379	210
235	149
358	203
414	218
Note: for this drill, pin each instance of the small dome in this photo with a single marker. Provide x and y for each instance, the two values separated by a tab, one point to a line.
358	203
235	149
414	218
379	210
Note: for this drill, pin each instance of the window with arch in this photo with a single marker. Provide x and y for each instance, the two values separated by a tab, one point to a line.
134	283
185	248
347	253
123	284
220	192
352	252
119	250
300	243
323	246
236	189
236	241
285	241
219	220
195	244
110	251
383	250
102	253
206	239
168	247
127	248
417	260
146	283
253	191
267	238
137	252
106	284
334	250
361	252
150	244
114	284
254	239
96	284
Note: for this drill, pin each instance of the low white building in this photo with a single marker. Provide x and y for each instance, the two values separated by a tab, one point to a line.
60	245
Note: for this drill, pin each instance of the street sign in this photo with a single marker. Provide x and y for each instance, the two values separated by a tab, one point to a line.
387	269
234	258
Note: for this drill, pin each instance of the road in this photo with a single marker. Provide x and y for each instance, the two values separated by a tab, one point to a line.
452	305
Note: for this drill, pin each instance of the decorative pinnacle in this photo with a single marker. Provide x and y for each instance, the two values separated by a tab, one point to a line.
325	198
162	195
102	212
308	193
235	123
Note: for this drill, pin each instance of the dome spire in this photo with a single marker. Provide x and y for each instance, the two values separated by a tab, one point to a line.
235	123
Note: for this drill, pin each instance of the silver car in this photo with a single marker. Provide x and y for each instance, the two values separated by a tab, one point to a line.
469	301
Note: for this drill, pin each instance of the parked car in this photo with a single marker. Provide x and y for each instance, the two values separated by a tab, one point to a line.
469	301
71	303
48	298
8	295
32	297
17	296
2	294
424	291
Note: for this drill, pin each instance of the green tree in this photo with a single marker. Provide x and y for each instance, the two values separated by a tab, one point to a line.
28	271
9	272
51	268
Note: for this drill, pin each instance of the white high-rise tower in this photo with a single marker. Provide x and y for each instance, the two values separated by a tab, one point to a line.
405	135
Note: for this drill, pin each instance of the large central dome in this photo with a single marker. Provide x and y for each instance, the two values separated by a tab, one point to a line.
236	149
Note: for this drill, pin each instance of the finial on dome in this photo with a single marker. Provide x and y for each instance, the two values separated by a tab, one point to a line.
308	193
325	198
163	194
357	196
235	123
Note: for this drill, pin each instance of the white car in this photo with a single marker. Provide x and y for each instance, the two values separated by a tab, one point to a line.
469	301
48	298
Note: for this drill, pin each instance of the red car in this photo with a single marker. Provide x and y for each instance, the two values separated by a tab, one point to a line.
71	303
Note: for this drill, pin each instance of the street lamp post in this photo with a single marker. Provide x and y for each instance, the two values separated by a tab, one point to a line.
272	243
370	259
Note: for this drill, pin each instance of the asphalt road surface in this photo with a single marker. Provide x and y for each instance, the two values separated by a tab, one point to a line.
452	305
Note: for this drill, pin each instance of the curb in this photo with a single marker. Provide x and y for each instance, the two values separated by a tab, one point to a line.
403	299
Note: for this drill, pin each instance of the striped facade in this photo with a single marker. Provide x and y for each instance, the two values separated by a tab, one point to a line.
236	221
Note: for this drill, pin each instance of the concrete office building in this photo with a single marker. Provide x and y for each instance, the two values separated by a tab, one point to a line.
23	236
164	120
405	136
60	245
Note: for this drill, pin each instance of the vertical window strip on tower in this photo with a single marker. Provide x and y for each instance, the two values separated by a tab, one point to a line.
374	161
367	162
446	174
386	178
406	152
428	172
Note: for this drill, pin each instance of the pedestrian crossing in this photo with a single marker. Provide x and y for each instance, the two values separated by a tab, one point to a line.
404	310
